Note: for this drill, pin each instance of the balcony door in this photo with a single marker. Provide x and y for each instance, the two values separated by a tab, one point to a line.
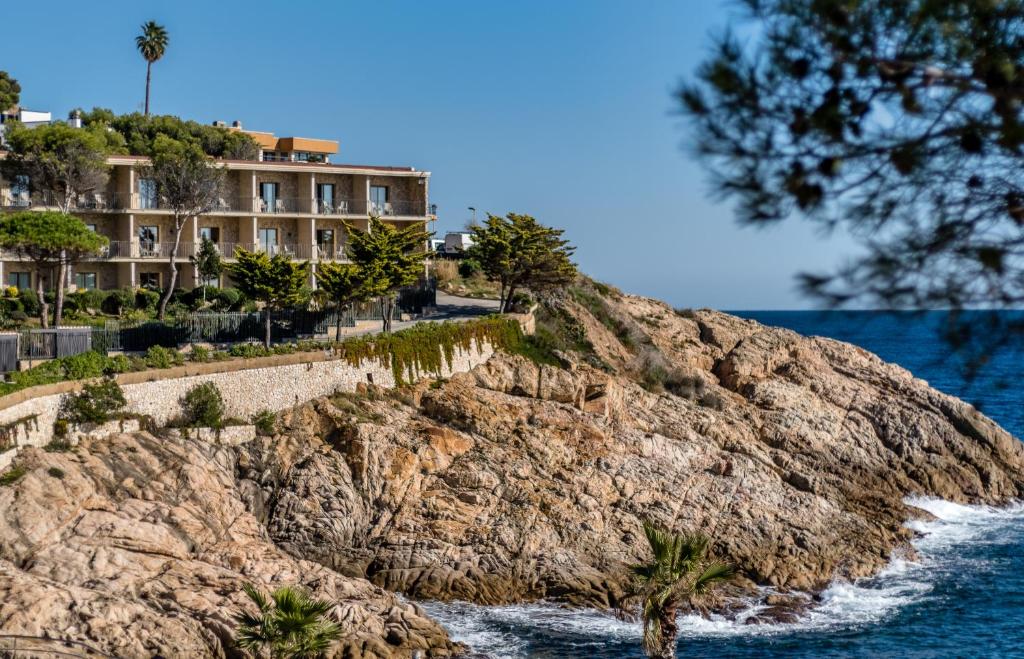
149	237
325	243
379	199
269	196
147	193
325	197
268	241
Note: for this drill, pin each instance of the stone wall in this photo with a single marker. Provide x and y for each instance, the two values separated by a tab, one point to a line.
248	386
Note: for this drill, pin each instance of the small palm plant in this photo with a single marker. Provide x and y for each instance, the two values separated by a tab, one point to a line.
680	571
290	624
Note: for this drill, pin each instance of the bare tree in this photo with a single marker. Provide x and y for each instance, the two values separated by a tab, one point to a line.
188	184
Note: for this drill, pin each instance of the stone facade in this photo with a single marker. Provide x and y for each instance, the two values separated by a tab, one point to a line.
248	387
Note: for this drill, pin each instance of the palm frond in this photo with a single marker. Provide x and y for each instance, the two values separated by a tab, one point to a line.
257	597
713	573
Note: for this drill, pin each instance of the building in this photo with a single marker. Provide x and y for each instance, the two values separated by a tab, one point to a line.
293	201
30	118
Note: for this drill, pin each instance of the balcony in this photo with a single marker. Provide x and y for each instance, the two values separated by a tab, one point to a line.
398	207
341	207
94	201
281	205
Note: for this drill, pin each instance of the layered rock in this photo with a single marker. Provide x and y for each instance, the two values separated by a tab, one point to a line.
520	482
139	546
513	482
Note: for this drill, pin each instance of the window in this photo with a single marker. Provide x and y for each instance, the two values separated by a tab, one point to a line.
379	200
212	282
268	240
147	193
301	156
325	243
325	197
85	280
149	279
269	200
210	233
91	227
20	280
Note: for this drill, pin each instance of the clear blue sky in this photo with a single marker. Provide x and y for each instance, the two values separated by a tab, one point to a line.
558	109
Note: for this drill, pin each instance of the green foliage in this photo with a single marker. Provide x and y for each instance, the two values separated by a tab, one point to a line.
139	132
98	402
278	282
386	259
161	357
56	472
152	43
12	475
119	301
10	91
57	445
248	350
228	299
469	267
88	364
200	354
679	571
146	300
43	235
341	283
207	262
519	252
265	422
62	161
29	302
203	406
117	364
289	624
893	120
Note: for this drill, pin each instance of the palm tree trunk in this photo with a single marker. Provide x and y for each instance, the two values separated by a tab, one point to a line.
149	67
669	632
266	336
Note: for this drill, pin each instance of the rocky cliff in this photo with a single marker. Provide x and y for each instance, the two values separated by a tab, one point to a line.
516	481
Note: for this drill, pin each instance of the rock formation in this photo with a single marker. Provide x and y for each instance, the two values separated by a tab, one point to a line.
513	482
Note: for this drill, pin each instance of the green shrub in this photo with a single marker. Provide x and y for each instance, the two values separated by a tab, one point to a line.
11	305
469	267
248	350
118	364
146	300
29	302
60	429
85	365
161	357
199	354
96	403
228	299
203	406
221	355
11	476
58	445
19	316
90	299
56	472
265	422
118	302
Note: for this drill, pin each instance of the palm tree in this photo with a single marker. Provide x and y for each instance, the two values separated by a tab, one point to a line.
679	571
151	44
290	624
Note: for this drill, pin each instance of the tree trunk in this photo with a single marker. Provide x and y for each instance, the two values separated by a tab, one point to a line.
149	66
387	309
669	631
58	307
337	329
501	297
507	305
173	279
266	336
44	308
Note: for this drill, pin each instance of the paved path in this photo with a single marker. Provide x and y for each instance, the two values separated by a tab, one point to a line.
449	307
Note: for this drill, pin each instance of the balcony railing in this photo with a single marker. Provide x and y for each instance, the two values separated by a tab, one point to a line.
398	207
136	249
105	201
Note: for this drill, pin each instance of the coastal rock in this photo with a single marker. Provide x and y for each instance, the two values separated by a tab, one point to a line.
798	468
138	546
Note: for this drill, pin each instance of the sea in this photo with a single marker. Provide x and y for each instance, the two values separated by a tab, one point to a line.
963	597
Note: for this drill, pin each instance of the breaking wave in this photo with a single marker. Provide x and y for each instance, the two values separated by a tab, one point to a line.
844	609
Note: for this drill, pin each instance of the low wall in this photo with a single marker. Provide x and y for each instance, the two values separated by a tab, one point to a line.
247	385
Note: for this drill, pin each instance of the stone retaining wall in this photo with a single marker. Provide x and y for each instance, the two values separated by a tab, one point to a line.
248	386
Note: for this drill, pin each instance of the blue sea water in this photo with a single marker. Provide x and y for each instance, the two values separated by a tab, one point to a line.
963	598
